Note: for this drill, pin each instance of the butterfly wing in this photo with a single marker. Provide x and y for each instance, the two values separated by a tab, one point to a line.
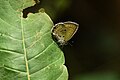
64	31
71	28
57	29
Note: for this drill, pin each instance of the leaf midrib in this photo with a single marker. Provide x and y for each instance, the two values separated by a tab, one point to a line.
24	50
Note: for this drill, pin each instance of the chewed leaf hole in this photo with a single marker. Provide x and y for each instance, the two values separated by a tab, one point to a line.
32	9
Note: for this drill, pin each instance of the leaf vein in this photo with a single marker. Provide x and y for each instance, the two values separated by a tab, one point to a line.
41	52
15	70
37	40
60	74
10	51
24	49
31	36
8	23
48	65
34	21
9	36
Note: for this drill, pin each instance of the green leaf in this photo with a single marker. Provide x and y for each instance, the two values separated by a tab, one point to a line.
27	50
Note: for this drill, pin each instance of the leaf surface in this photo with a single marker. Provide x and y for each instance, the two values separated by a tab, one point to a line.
27	50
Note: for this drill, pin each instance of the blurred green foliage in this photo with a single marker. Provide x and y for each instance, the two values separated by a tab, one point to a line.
54	7
98	76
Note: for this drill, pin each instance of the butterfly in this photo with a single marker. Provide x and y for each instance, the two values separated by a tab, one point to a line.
64	31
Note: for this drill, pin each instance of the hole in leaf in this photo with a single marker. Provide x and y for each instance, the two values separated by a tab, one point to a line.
32	9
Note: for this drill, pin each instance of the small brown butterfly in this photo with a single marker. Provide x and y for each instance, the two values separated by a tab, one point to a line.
64	31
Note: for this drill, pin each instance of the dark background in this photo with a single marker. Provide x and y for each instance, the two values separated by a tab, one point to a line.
94	53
